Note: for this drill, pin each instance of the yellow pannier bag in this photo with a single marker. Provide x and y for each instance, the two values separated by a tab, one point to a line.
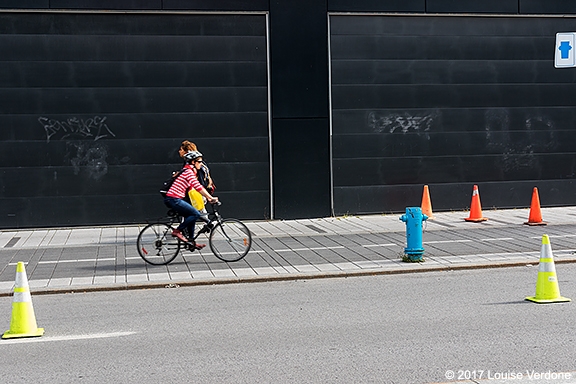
196	199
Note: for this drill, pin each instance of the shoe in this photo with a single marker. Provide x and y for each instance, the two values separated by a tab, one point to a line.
199	246
177	233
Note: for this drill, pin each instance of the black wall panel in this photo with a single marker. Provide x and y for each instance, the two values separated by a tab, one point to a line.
93	108
472	6
24	4
453	6
217	5
449	102
301	170
547	6
298	57
300	134
377	6
106	4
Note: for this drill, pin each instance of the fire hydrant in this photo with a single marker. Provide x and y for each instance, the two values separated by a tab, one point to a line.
414	219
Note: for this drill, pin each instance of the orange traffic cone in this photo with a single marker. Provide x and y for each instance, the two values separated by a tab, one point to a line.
427	204
535	217
475	207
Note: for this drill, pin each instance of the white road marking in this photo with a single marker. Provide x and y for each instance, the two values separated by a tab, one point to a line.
76	261
65	338
447	241
381	245
306	249
70	261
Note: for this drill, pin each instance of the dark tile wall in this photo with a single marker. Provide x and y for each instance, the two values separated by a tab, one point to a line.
94	106
448	101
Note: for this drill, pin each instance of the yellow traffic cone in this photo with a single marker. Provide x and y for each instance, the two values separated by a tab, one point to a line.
547	290
23	323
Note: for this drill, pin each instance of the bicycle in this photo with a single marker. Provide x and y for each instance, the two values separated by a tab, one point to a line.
229	239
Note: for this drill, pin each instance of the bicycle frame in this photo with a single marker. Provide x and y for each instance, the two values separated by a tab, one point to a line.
230	240
209	220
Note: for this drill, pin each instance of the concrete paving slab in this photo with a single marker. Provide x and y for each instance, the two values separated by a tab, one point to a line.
135	278
244	272
82	281
8	286
59	282
104	280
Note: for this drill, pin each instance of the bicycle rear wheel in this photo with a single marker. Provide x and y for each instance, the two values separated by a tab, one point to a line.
230	240
156	245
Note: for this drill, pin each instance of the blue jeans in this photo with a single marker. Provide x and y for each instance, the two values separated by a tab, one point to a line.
185	210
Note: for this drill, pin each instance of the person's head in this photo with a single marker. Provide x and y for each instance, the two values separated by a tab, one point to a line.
194	158
186	147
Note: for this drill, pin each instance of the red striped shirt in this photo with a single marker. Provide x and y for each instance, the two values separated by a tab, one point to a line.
184	182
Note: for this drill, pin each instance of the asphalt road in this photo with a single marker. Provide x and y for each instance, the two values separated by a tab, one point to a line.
385	329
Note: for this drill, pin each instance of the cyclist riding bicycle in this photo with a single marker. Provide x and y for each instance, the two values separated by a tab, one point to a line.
176	194
203	171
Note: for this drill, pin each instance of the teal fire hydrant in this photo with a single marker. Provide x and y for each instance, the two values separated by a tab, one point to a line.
414	219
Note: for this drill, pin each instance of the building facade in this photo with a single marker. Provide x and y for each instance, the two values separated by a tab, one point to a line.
302	108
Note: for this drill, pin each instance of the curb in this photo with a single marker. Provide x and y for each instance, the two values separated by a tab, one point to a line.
265	279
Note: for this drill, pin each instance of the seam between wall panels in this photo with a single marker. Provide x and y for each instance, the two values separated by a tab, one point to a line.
330	149
270	154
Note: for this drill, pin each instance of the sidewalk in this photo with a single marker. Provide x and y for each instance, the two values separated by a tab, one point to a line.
105	258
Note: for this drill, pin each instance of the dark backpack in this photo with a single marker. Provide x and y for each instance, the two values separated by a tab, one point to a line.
168	182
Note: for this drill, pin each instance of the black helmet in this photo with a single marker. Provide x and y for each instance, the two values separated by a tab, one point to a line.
192	155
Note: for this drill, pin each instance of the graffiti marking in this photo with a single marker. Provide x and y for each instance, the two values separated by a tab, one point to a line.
75	128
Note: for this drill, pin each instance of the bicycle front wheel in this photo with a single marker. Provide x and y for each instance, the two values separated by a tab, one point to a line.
156	244
230	240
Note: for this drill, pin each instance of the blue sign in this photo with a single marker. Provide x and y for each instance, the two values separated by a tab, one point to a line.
565	52
565	48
